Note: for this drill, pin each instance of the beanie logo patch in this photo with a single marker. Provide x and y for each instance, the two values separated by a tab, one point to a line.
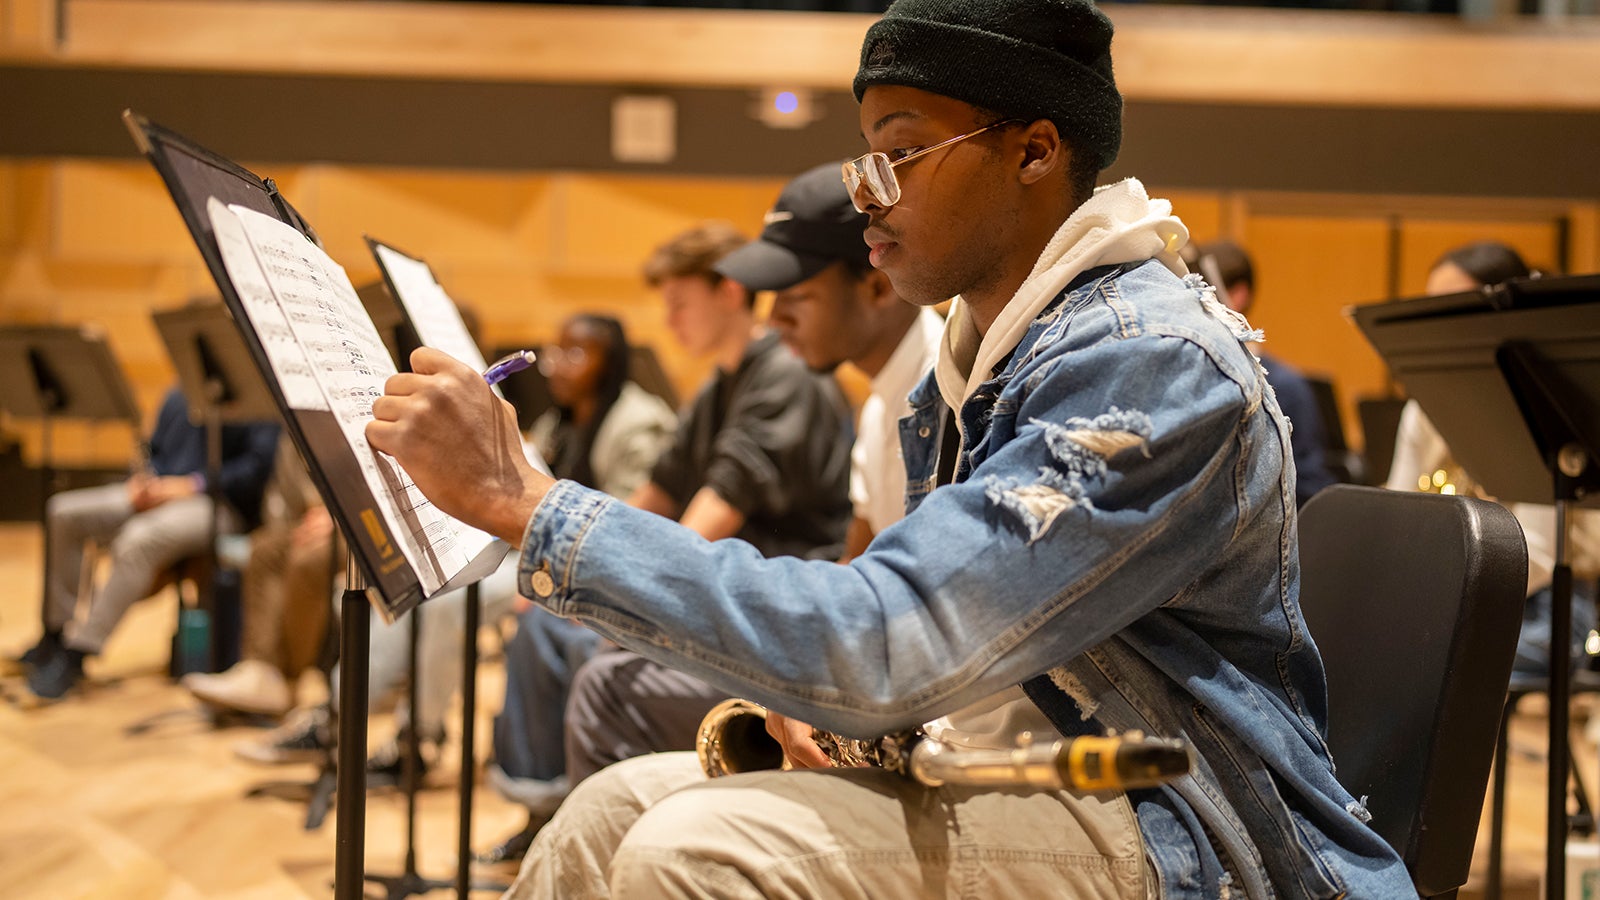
881	54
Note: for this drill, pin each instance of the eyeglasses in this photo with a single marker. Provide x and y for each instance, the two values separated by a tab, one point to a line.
555	357
876	170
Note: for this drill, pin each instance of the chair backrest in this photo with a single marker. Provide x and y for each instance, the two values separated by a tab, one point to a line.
1414	601
1348	466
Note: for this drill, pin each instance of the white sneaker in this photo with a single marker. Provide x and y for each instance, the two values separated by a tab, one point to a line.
250	686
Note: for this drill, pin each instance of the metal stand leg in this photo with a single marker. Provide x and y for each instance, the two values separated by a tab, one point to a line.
409	882
1559	766
469	760
1497	812
350	845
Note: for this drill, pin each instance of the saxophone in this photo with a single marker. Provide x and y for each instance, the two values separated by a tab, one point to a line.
733	739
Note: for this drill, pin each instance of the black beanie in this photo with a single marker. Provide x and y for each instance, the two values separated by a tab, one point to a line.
1025	59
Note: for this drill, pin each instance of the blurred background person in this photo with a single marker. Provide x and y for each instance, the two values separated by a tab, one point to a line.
287	586
1230	266
157	517
606	432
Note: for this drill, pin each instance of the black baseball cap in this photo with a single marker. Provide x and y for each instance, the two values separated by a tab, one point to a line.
812	226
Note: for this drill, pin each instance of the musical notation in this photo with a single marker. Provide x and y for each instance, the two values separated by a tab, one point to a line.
327	354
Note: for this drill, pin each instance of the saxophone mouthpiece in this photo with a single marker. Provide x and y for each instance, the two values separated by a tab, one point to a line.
1121	762
1110	763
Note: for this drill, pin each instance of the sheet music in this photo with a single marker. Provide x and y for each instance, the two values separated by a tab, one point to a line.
431	311
288	361
298	286
437	320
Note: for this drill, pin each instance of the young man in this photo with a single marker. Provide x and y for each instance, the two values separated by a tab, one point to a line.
156	518
762	454
831	307
1113	528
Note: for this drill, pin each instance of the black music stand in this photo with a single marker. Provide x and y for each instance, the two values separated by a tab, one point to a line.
1510	376
199	181
395	320
222	386
52	372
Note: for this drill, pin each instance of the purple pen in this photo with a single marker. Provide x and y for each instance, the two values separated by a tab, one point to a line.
507	365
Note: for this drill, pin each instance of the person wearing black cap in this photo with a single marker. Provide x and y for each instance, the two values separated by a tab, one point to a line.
762	454
831	307
1101	531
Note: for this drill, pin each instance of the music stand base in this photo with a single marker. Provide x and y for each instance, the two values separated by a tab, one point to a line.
317	795
214	718
407	884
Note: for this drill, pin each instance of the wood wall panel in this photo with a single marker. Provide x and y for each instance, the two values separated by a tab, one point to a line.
609	225
100	242
1583	250
10	185
455	216
1163	53
114	211
28	26
1202	211
1308	269
1423	241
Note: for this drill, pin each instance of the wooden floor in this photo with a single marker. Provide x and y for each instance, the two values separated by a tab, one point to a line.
89	812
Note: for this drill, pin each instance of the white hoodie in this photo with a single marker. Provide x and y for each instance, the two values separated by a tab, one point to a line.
1119	224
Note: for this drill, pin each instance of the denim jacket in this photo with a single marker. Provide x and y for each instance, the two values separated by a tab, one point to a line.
1121	521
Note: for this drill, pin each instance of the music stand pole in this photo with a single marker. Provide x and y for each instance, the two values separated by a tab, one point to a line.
409	881
469	761
216	390
1570	462
351	798
49	402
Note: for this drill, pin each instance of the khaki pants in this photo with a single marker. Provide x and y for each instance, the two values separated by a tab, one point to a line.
654	826
287	597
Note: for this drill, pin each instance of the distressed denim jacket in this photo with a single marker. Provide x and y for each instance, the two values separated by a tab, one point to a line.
1121	522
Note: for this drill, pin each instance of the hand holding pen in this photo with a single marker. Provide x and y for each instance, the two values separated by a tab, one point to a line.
459	442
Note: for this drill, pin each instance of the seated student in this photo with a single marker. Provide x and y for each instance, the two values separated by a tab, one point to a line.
830	307
604	431
1112	525
762	453
154	519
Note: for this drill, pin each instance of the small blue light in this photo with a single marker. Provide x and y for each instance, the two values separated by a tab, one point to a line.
786	102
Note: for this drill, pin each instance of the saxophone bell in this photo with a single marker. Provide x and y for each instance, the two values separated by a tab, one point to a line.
733	739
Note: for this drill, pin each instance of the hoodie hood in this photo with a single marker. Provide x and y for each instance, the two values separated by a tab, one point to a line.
1119	224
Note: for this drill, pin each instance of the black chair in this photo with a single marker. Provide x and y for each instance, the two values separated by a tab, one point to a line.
1348	466
1415	601
1380	423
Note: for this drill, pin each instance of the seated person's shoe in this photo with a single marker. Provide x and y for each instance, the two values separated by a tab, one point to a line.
508	853
386	766
306	737
250	686
540	796
48	647
52	679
